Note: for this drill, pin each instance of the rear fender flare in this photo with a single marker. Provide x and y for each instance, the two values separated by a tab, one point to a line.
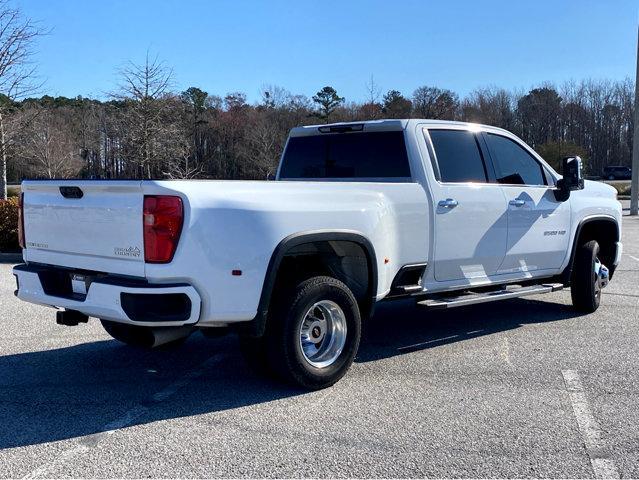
258	324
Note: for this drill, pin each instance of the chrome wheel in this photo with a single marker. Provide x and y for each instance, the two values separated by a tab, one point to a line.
322	333
601	276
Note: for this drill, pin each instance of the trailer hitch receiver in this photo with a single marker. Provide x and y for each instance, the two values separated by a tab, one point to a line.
70	318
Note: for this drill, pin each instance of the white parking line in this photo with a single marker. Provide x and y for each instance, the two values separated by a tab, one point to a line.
604	468
634	258
590	430
126	420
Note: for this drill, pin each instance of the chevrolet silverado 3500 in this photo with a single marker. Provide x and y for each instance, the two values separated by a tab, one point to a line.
450	214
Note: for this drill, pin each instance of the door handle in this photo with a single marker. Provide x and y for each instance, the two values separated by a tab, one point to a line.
448	203
517	203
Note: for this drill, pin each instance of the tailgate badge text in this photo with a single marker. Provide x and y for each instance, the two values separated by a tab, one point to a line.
127	252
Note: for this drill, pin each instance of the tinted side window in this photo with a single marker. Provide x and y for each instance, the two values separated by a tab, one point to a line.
513	164
373	155
458	156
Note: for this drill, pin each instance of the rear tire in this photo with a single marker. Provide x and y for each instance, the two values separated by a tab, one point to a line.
313	335
584	288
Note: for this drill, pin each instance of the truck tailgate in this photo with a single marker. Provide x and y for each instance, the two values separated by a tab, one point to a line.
101	231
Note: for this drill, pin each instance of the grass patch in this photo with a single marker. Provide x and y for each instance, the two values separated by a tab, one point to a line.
13	190
622	188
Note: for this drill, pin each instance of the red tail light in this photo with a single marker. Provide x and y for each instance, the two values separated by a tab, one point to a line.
21	221
163	217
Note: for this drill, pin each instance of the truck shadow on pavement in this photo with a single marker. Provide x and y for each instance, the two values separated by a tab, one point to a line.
401	328
81	390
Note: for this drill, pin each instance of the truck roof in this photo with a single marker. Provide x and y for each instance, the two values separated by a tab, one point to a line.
379	125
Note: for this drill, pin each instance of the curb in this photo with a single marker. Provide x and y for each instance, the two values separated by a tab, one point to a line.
10	257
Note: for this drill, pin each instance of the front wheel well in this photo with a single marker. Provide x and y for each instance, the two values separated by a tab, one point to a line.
605	232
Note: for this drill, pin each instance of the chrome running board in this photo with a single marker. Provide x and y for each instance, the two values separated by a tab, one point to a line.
457	300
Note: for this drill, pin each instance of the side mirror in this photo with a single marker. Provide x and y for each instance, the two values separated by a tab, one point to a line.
572	178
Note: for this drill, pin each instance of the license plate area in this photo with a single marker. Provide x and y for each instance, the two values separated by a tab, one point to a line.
65	283
80	283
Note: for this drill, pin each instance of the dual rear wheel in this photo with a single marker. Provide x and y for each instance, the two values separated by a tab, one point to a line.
312	335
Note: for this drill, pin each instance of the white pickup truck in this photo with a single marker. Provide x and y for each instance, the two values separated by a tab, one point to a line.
448	213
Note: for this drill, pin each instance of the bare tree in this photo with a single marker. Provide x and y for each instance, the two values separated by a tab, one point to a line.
263	144
372	108
489	105
144	88
433	102
17	74
274	96
373	90
183	168
47	145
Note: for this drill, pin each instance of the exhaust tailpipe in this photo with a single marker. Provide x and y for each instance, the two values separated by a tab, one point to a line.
164	335
146	337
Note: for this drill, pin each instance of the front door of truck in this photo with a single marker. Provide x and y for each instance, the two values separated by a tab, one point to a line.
470	220
538	224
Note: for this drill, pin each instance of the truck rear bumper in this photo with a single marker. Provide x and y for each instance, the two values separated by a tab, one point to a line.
110	298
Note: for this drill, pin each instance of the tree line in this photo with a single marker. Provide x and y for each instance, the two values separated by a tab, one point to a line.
146	129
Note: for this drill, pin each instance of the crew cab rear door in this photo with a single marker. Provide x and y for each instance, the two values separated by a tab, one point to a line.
538	224
470	217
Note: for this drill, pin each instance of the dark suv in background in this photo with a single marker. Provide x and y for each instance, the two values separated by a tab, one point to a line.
617	173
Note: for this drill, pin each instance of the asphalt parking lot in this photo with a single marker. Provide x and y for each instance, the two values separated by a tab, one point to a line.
523	388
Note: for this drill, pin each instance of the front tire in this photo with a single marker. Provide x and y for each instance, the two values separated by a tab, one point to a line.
313	336
585	288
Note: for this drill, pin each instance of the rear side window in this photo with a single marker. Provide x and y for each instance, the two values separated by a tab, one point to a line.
458	156
513	164
367	155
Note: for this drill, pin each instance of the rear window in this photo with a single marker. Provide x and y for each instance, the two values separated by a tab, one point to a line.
458	156
363	156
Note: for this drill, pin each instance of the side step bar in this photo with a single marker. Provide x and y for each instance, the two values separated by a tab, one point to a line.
474	298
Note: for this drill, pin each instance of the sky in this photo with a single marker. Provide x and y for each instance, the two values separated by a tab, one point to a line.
241	45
